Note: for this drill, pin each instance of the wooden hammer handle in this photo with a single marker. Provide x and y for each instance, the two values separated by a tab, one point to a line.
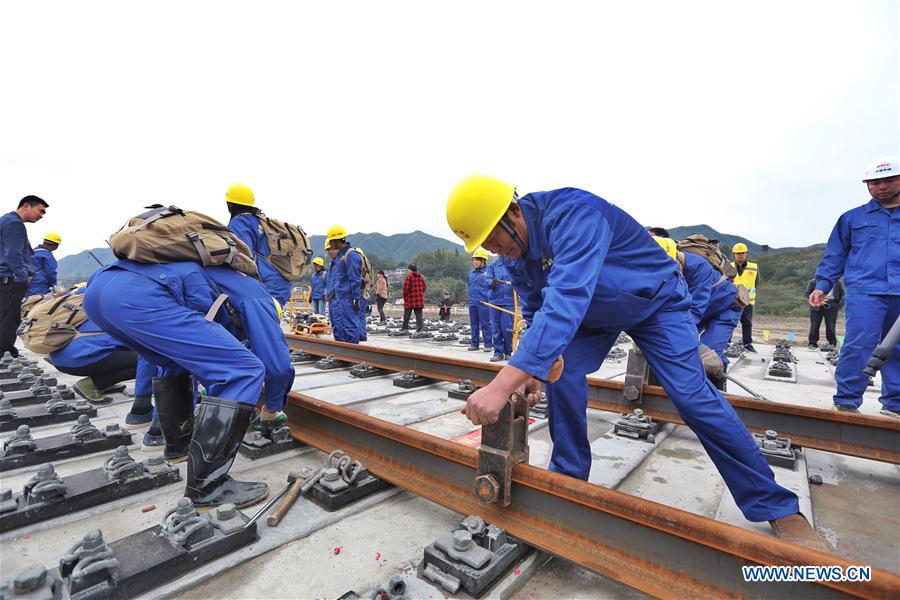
285	504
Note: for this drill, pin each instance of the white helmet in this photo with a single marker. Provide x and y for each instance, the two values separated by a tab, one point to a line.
888	166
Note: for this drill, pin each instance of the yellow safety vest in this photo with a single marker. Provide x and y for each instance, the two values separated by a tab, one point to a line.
748	279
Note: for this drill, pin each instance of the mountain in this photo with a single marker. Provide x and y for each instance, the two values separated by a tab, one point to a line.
727	240
400	247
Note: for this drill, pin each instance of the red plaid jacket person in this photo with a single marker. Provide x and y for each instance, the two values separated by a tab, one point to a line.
414	290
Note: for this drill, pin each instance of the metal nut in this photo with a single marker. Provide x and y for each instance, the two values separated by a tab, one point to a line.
5	494
487	488
226	512
30	579
771	434
631	393
155	461
462	540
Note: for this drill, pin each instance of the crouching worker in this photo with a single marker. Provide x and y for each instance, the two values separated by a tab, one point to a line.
585	271
176	316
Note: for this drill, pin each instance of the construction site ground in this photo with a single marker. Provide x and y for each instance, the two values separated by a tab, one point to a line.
316	554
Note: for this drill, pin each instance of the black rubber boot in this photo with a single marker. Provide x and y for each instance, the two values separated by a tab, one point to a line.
175	409
221	426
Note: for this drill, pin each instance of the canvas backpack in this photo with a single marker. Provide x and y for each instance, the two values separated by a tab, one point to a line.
29	302
167	234
709	249
52	324
365	270
289	248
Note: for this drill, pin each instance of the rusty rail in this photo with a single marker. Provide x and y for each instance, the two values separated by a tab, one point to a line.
659	550
874	438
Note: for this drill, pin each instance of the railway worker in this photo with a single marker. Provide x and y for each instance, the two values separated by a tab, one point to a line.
477	291
44	277
713	296
245	223
501	294
748	276
329	280
16	266
585	271
864	248
348	306
176	316
317	286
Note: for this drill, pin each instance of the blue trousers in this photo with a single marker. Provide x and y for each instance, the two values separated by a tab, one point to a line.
347	324
144	316
318	306
502	324
868	319
668	340
143	379
480	320
717	331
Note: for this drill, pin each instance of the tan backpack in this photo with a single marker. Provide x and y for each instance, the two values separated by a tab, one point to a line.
52	324
365	270
167	234
289	248
709	249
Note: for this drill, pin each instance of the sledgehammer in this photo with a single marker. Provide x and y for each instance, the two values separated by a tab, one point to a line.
296	480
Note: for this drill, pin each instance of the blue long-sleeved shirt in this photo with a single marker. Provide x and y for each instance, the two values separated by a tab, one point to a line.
346	271
44	271
16	255
317	287
478	286
864	247
501	294
246	226
589	265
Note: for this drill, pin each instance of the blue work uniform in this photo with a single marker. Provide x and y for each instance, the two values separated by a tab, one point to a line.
348	323
479	314
590	272
86	350
158	310
247	227
16	255
317	291
712	304
864	247
501	294
44	272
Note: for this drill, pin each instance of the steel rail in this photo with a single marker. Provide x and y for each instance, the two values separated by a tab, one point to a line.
864	436
662	551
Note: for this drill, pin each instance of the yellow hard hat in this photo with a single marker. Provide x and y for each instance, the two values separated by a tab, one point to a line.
240	194
327	245
53	237
80	284
278	309
318	261
475	206
739	247
669	245
481	253
336	232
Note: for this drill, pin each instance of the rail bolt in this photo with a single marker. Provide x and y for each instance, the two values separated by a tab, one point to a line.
631	393
487	488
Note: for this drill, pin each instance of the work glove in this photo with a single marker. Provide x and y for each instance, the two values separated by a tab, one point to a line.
494	283
356	305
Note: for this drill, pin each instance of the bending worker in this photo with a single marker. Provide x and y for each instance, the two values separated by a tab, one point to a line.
748	276
501	294
245	223
586	271
44	277
477	289
348	307
169	314
713	297
864	247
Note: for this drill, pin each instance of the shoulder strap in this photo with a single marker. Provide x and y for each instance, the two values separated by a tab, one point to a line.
214	309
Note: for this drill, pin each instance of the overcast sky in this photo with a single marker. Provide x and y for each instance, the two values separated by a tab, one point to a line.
757	118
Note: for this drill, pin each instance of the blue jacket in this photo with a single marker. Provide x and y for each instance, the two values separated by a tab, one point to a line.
589	265
478	286
864	247
317	288
86	350
247	227
346	270
44	271
15	252
501	294
329	282
198	287
711	292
